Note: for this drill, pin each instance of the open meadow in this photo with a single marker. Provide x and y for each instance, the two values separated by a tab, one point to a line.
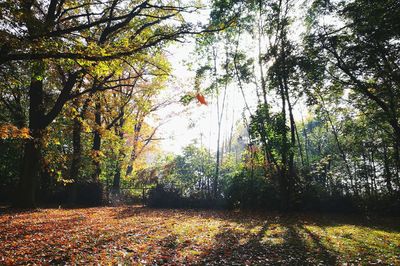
142	236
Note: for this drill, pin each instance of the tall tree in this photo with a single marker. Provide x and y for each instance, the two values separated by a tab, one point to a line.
64	43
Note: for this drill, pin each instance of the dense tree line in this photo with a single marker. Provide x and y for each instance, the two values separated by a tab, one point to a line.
342	151
75	75
79	79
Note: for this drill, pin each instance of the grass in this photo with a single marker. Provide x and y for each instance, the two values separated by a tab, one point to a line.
135	235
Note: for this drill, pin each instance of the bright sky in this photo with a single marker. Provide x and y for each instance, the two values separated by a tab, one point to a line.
199	122
195	121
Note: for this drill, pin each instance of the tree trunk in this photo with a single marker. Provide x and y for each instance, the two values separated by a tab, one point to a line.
77	149
117	176
134	154
306	143
32	159
387	173
397	159
215	183
292	171
284	181
97	143
117	180
76	140
373	178
366	171
339	146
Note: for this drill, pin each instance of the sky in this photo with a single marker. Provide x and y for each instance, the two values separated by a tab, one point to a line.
199	123
183	125
194	122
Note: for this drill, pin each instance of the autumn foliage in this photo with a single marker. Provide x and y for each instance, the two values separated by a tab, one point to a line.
9	131
141	236
201	99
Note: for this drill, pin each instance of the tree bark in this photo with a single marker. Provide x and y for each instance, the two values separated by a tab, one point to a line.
97	143
32	160
386	172
117	176
284	178
77	149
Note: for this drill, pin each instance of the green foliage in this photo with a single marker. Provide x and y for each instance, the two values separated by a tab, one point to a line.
192	172
76	95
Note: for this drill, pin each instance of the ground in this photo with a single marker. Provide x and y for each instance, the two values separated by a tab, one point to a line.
136	235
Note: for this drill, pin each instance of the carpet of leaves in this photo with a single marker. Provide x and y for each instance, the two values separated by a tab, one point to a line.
143	236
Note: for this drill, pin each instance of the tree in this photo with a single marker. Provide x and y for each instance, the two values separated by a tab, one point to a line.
361	55
63	46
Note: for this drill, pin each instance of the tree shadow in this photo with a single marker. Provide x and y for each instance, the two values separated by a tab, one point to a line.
324	254
169	247
9	210
247	219
168	237
129	211
229	249
387	224
32	227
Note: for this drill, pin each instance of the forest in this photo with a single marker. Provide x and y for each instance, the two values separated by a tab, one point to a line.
291	155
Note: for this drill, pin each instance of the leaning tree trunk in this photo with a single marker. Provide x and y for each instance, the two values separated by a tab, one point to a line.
134	153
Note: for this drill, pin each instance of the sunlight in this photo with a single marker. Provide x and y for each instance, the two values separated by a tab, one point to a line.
199	132
276	234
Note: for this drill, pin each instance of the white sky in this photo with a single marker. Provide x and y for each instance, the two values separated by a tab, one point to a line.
195	121
198	122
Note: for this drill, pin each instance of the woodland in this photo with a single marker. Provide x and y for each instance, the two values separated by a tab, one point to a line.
309	173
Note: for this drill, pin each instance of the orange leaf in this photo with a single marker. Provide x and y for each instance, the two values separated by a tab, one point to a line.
201	99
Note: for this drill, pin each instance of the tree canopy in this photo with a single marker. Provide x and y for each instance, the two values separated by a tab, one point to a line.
82	84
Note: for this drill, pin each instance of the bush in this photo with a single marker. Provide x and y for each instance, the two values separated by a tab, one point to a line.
255	192
83	194
161	197
90	194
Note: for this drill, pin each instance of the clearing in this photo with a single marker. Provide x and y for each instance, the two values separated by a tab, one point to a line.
137	235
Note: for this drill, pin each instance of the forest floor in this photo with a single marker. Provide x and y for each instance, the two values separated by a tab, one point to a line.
136	235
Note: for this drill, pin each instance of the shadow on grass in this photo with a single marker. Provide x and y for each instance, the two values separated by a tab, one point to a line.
246	219
251	218
215	238
387	224
293	250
